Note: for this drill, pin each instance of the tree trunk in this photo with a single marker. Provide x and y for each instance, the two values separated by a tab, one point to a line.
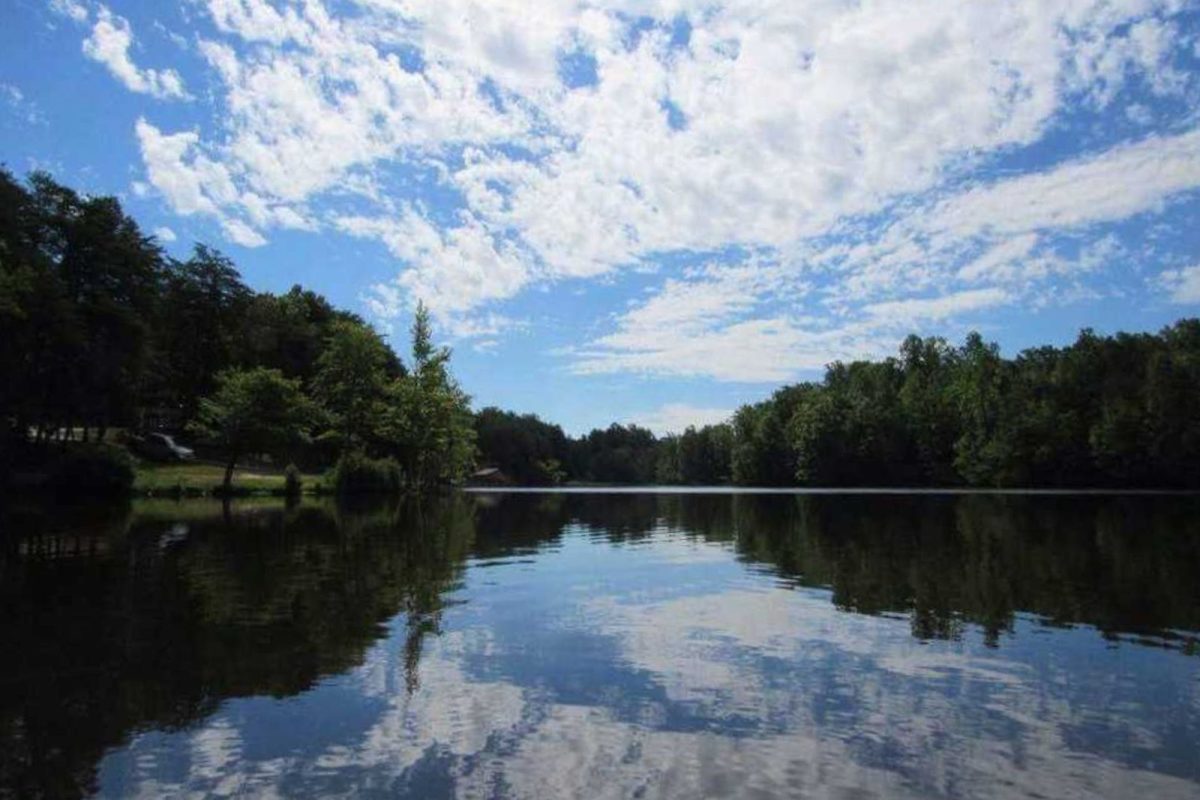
227	487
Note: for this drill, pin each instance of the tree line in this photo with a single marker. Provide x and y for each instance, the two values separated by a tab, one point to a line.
1105	411
99	329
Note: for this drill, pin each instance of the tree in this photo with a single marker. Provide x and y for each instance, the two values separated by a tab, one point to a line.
426	418
351	380
78	283
198	328
928	407
252	411
111	274
617	454
704	455
522	446
666	464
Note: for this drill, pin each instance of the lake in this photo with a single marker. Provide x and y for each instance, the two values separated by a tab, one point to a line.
544	645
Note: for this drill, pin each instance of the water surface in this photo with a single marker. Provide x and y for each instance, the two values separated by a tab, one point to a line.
605	645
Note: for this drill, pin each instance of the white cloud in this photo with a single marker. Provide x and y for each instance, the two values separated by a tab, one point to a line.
21	106
676	417
109	45
908	275
71	9
799	122
196	187
1182	285
937	308
1116	184
239	232
486	266
1000	260
165	234
760	350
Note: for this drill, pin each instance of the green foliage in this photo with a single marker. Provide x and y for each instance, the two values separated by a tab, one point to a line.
356	473
351	379
253	411
666	463
100	330
616	454
93	469
704	455
78	284
425	419
293	482
550	472
761	454
523	447
198	329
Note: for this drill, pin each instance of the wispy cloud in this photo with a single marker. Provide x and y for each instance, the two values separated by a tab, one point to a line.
1182	285
677	417
109	44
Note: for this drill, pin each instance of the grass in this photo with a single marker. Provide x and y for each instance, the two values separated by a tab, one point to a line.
198	478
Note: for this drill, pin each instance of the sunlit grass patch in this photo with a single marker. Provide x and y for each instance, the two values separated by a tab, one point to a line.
156	479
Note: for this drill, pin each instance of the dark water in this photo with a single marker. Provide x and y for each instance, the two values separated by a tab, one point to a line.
605	646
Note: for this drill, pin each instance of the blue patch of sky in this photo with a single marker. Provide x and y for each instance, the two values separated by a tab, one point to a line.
490	91
577	69
635	28
676	119
681	31
412	59
678	30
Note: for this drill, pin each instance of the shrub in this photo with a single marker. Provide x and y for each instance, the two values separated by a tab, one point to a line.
355	473
93	469
292	482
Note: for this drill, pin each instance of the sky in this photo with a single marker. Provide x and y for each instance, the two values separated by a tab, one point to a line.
646	211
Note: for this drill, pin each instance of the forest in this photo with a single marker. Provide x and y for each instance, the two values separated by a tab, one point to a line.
1106	412
102	332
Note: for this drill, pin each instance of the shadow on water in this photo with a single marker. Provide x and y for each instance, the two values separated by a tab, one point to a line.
148	617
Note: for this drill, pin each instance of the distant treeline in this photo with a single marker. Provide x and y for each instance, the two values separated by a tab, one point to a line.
1120	411
99	329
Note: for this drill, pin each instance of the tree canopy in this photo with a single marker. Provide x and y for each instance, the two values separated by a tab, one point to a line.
100	329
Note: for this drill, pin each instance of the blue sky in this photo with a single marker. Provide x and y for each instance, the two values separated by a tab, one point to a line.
645	210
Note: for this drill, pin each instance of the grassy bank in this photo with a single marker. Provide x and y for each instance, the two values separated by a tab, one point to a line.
203	479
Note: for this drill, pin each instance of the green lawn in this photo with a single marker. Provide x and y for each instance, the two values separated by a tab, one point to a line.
154	478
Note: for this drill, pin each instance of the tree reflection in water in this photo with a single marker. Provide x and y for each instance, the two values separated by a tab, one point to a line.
120	621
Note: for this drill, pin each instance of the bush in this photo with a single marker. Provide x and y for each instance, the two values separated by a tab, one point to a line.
292	482
93	469
358	474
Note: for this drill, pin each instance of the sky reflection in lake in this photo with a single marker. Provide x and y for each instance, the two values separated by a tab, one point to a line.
609	646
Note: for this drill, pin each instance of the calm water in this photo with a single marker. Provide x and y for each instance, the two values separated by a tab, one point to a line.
557	645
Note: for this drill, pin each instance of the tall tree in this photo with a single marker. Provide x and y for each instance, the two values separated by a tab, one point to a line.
427	418
351	380
200	316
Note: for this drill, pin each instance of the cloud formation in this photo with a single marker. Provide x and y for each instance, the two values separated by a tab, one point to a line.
677	417
827	171
109	44
1183	284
